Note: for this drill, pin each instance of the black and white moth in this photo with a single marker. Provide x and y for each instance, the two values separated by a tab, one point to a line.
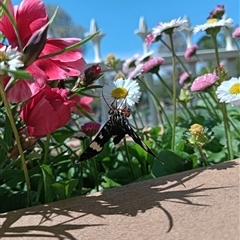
116	128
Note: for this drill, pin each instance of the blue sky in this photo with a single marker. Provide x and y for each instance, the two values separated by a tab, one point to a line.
118	19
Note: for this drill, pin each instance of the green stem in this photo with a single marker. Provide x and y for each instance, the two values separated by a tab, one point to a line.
46	152
213	107
128	159
227	131
171	95
223	108
203	157
179	60
19	146
174	98
96	174
157	103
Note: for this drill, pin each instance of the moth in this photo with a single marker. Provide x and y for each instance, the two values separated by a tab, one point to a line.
116	128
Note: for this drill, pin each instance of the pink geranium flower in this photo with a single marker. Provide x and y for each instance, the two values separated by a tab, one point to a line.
83	102
46	111
236	33
203	82
191	51
30	17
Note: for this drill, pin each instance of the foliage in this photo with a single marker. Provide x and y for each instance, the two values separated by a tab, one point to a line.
197	130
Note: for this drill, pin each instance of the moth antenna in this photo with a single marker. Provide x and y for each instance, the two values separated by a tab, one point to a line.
105	100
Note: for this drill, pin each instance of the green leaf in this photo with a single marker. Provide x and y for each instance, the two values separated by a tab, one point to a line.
64	188
61	135
48	180
173	163
109	183
6	141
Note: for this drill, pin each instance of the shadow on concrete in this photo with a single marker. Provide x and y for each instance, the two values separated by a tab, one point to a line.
129	200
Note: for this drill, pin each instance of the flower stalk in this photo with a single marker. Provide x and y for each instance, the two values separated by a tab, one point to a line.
17	138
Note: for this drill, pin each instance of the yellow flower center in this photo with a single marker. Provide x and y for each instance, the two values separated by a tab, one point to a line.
213	20
3	56
235	89
119	92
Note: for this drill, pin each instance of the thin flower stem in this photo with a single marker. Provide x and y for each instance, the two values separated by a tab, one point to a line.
216	102
214	38
199	60
140	119
96	174
128	159
46	151
179	60
171	95
206	104
156	102
223	108
203	157
174	98
227	131
19	146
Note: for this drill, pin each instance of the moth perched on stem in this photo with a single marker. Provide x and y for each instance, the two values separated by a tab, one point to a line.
116	127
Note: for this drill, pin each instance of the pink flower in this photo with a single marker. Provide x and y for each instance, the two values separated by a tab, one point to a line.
82	102
68	64
183	77
90	128
236	33
190	52
137	71
149	39
129	63
46	111
217	12
30	17
152	65
203	82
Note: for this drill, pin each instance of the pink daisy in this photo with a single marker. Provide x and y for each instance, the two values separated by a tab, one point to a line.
191	51
217	12
203	82
90	128
236	33
152	65
183	77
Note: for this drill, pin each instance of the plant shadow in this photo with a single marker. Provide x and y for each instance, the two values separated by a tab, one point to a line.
129	200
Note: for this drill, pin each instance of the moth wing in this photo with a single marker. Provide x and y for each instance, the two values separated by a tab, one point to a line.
96	146
118	134
137	139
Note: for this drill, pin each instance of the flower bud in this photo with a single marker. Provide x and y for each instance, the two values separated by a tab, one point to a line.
35	46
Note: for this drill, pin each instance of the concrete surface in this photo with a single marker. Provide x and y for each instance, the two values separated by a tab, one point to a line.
206	208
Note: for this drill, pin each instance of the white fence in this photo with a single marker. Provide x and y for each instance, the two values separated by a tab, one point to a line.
229	54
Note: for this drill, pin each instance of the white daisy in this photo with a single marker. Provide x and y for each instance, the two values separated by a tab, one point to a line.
213	23
10	60
129	64
163	27
229	91
122	93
